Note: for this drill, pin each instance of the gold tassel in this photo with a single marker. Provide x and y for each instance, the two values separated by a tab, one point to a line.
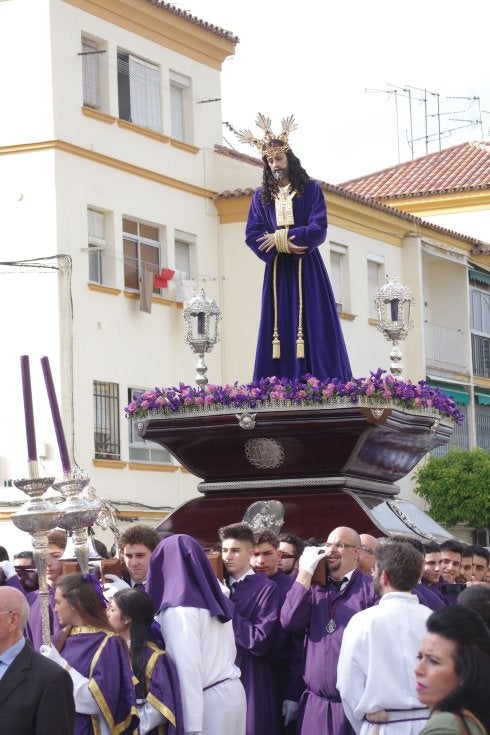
276	347
276	344
300	343
300	348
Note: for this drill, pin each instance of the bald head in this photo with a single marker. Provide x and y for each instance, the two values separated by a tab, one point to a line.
366	555
343	548
14	611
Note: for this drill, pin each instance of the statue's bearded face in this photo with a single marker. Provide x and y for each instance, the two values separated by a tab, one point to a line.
278	164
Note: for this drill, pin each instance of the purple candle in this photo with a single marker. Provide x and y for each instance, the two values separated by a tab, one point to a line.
55	412
28	409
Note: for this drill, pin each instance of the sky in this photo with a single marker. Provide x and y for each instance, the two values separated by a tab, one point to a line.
332	64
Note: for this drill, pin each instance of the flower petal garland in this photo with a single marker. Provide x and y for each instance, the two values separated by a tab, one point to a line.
306	390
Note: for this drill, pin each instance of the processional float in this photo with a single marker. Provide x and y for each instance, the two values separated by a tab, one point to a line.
304	462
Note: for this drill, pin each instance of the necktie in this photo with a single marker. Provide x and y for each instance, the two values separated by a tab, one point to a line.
233	586
337	583
139	586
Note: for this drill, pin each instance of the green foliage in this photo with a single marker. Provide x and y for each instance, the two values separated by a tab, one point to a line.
457	487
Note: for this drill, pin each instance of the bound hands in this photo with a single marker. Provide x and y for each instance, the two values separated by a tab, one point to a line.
268	243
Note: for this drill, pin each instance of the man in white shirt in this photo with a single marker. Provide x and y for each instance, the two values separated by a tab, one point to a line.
375	675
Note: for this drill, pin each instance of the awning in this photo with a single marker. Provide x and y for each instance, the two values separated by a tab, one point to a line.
479	276
483	398
457	392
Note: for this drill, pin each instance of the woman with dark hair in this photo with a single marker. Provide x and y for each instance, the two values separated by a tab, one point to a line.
131	614
96	658
453	673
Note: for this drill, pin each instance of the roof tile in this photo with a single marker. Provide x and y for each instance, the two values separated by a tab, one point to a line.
464	167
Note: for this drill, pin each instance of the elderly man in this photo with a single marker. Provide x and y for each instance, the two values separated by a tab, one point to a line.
375	675
323	613
36	695
366	555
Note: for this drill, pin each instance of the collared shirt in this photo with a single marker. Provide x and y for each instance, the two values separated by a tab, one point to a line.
10	654
346	578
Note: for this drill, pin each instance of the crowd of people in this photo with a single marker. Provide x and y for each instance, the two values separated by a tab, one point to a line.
348	634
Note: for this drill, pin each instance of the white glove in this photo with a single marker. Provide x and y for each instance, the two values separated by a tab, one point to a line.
224	588
115	584
8	569
309	559
52	653
289	711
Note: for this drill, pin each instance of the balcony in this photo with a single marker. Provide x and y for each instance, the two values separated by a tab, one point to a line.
445	348
480	351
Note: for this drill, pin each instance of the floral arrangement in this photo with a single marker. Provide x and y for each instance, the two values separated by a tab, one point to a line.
304	391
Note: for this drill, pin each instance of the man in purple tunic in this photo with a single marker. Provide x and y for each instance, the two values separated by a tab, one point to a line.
255	623
287	655
299	329
323	612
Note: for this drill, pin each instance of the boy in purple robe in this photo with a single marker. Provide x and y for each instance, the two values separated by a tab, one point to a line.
54	569
255	623
323	612
299	329
287	655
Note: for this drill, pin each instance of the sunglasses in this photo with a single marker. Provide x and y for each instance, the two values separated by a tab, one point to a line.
284	555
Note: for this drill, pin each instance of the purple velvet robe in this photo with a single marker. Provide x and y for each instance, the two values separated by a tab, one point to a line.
321	708
255	624
428	597
286	659
103	658
163	690
325	351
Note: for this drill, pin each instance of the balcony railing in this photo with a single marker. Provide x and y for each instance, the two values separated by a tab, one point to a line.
445	348
480	349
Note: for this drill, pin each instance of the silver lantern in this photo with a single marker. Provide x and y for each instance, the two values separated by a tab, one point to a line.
394	304
201	318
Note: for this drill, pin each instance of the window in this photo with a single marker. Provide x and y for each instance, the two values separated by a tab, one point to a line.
480	327
179	86
482	425
138	84
96	244
337	266
183	247
106	420
141	450
375	278
141	246
90	73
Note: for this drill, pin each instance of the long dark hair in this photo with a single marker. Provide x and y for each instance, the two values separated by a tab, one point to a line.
81	594
298	178
138	607
471	661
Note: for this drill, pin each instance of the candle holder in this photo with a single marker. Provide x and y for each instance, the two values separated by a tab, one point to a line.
37	517
77	515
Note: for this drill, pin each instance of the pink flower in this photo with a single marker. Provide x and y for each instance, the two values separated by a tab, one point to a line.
370	390
199	400
208	400
187	401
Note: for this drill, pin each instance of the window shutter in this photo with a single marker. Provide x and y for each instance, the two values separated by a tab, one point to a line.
90	81
183	258
144	94
96	228
336	277
178	84
373	273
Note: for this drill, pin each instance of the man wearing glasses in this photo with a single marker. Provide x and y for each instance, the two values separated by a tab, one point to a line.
323	613
291	548
367	559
